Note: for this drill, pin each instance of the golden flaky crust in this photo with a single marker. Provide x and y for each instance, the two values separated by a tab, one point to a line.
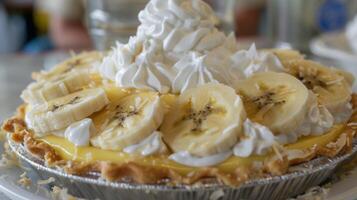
276	165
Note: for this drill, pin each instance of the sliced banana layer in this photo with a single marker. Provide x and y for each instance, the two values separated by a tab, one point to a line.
128	121
62	112
205	120
56	86
332	88
276	100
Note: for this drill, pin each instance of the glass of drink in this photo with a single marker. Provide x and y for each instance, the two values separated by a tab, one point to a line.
113	20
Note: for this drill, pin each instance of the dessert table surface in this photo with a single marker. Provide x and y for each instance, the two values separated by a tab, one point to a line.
15	74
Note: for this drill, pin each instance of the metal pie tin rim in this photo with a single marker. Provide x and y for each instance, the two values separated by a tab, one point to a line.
327	163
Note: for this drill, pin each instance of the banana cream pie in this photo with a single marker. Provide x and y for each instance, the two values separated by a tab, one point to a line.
179	103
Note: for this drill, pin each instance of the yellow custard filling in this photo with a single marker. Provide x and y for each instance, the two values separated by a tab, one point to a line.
91	154
69	151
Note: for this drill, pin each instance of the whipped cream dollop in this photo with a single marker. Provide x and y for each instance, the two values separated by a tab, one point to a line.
318	120
185	158
79	133
351	34
177	47
257	140
251	62
197	69
149	146
148	70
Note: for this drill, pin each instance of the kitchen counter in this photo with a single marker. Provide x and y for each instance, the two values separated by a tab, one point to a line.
15	74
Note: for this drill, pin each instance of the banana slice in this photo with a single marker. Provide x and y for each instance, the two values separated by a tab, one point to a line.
128	121
276	100
84	60
331	88
62	112
67	77
287	55
55	87
205	120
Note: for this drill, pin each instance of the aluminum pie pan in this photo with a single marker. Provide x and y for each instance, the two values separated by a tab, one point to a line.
310	174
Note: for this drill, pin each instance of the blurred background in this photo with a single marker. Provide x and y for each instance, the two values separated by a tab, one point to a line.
38	26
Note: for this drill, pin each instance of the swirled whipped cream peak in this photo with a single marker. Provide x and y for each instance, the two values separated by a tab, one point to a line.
178	47
180	25
251	62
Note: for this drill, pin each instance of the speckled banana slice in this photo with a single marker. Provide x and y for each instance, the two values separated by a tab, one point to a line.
56	86
62	112
205	120
128	121
65	78
276	100
287	55
84	60
330	86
